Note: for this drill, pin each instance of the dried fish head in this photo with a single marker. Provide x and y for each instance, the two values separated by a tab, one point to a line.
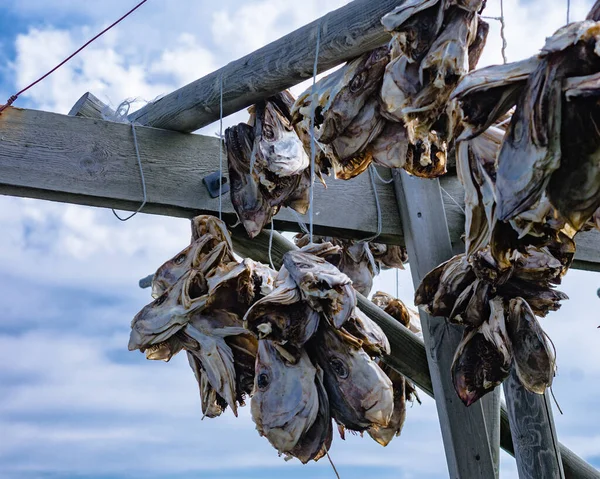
472	305
534	360
486	94
210	225
414	25
278	143
340	96
532	150
441	287
389	256
394	307
214	354
322	285
390	148
400	85
483	357
574	188
212	404
538	265
315	443
163	317
360	394
350	145
250	204
373	339
285	402
384	435
426	158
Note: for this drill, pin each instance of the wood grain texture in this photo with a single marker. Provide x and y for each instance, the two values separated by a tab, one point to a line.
345	33
88	106
93	162
408	351
491	412
533	434
466	442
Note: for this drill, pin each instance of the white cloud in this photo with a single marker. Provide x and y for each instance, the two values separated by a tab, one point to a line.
73	398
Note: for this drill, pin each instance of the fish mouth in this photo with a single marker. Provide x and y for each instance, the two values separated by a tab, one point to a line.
161	351
378	407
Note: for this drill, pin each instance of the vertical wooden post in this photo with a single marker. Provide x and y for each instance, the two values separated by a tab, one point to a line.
492	403
537	450
464	432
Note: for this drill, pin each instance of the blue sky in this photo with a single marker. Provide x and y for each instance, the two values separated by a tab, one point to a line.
73	401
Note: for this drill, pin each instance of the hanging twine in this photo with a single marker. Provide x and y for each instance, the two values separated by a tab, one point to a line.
120	116
502	30
372	173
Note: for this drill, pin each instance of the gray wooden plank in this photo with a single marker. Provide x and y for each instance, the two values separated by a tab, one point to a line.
408	351
345	33
464	432
93	162
533	433
491	413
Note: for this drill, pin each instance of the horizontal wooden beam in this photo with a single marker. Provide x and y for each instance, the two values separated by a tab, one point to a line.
92	162
408	355
345	33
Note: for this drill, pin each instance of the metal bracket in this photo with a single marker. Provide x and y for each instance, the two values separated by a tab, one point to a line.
212	184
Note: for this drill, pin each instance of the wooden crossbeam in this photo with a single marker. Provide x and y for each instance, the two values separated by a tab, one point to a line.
346	33
408	355
92	162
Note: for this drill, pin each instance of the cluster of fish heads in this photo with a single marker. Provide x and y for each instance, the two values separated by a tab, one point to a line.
318	359
268	166
547	179
361	261
201	296
498	306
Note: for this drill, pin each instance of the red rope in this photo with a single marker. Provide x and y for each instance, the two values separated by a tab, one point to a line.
12	99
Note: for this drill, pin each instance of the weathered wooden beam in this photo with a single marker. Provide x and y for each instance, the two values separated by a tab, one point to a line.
533	432
466	442
88	106
408	350
93	162
345	33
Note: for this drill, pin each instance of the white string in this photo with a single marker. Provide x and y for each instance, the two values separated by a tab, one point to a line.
301	223
377	205
454	201
397	284
384	181
271	245
221	149
312	133
502	27
568	11
137	153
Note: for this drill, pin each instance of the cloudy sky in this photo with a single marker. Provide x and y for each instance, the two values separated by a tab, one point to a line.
73	401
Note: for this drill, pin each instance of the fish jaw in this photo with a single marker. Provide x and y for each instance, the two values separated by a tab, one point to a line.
285	402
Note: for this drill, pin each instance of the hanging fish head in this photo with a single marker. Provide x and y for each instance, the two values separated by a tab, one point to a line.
278	143
340	96
360	394
250	204
164	316
285	401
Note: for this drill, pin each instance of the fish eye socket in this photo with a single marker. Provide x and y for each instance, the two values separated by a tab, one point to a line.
262	381
358	82
268	133
338	368
160	300
180	259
